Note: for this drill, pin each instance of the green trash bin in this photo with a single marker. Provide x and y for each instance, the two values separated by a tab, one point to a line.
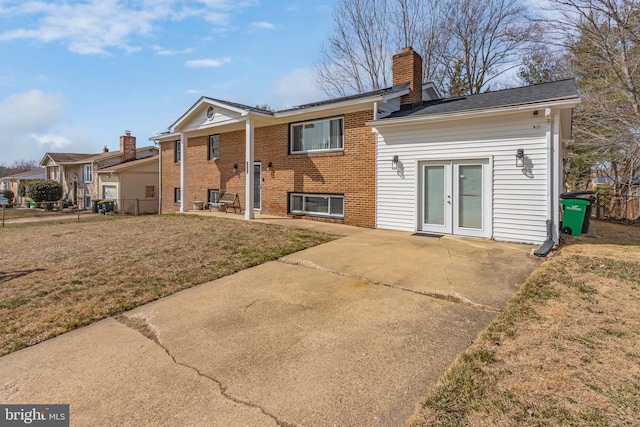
575	211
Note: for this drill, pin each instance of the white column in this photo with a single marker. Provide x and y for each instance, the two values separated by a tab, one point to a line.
248	198
184	196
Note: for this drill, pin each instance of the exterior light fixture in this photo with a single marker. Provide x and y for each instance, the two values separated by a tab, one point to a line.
269	166
394	162
235	167
520	158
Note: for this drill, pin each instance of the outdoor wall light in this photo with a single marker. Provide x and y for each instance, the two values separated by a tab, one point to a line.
520	158
394	162
269	166
235	167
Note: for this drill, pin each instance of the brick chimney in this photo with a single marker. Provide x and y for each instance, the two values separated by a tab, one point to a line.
128	146
407	67
105	149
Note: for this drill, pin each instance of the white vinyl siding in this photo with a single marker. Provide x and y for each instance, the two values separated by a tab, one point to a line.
518	202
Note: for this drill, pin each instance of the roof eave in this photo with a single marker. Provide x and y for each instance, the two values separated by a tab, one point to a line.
484	112
337	105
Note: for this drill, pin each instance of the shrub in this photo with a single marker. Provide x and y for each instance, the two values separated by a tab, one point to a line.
24	183
8	194
44	190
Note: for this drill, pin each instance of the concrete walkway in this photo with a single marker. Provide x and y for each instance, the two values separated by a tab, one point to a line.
352	333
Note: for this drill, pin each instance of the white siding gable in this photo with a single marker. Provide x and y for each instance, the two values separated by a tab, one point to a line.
199	120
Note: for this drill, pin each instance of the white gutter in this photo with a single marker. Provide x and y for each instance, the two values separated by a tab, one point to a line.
400	121
551	178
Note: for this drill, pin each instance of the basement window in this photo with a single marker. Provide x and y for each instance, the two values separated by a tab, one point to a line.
327	205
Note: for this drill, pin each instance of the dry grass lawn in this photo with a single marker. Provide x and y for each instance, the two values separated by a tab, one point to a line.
564	352
58	276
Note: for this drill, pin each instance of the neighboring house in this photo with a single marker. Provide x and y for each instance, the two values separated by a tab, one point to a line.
601	180
13	182
78	173
397	158
133	185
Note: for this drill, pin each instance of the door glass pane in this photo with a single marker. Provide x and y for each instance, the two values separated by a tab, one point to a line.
434	195
470	196
256	186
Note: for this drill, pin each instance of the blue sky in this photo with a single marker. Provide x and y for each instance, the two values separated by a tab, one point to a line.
75	74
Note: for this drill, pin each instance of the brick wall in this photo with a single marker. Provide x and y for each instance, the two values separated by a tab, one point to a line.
407	67
127	147
351	172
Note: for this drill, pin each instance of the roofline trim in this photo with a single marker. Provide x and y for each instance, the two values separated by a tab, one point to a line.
386	122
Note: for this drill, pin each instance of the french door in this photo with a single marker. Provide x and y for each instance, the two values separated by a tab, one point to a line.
454	197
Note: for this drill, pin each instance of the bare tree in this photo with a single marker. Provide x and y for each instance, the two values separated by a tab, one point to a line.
18	166
477	38
603	37
544	63
356	56
487	38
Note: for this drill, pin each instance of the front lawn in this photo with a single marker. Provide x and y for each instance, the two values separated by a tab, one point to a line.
58	276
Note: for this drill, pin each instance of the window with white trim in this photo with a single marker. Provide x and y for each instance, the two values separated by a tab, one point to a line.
177	156
214	147
177	195
88	172
317	135
329	205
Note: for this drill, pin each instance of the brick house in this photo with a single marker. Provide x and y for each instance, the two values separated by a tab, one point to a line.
400	158
315	160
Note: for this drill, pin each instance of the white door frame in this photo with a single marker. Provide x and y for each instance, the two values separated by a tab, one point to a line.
257	172
451	202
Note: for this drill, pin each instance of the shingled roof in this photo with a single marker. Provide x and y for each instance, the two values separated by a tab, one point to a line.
563	89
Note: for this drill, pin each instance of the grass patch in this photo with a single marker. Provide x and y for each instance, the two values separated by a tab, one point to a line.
562	352
65	274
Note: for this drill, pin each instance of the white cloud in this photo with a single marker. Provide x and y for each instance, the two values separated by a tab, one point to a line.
207	63
295	88
33	123
32	110
262	25
169	52
51	141
97	26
